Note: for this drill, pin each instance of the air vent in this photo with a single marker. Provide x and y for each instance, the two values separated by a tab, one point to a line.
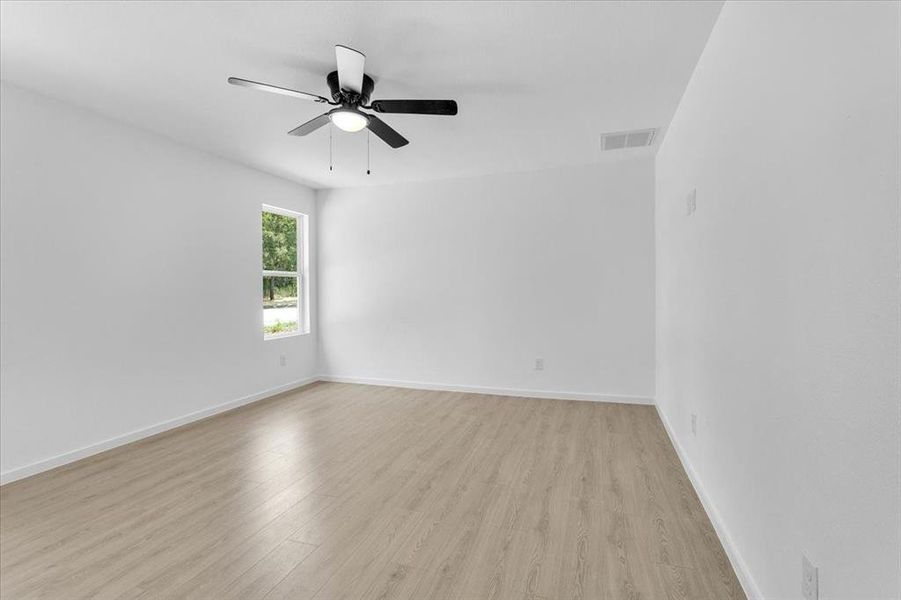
628	139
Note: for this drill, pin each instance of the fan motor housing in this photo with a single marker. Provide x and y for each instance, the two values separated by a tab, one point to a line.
345	97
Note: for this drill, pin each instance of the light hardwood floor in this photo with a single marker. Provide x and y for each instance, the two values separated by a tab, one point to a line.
343	491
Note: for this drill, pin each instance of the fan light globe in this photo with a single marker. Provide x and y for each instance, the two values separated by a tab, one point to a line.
349	120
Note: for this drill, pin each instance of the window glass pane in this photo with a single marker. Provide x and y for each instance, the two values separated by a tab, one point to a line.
279	242
280	313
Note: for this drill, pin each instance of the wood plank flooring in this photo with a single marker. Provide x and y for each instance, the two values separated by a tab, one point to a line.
341	491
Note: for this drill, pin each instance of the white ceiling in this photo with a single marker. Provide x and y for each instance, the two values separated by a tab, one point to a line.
537	83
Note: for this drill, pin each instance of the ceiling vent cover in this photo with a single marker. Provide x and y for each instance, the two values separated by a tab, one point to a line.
628	139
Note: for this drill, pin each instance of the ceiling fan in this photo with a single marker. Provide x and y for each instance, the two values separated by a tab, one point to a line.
351	88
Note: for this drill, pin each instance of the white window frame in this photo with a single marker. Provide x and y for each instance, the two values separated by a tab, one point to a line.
303	305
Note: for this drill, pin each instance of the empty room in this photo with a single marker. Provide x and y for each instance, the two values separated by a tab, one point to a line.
501	300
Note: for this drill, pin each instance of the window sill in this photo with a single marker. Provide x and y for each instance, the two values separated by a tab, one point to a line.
279	336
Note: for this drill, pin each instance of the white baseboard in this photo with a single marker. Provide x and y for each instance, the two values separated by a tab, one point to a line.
471	389
738	564
133	436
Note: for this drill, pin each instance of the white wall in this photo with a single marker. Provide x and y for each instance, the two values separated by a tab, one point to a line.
130	290
778	300
466	282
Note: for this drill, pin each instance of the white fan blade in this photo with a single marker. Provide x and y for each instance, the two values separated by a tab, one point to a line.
350	68
276	89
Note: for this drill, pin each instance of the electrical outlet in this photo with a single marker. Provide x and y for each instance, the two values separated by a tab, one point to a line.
809	579
283	360
691	202
694	424
539	364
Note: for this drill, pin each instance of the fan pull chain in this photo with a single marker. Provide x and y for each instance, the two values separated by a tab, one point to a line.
330	130
368	137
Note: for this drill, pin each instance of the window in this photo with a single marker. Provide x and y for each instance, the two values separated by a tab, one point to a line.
284	283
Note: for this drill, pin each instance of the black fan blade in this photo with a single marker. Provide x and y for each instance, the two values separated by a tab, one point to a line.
384	131
276	90
310	126
416	107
